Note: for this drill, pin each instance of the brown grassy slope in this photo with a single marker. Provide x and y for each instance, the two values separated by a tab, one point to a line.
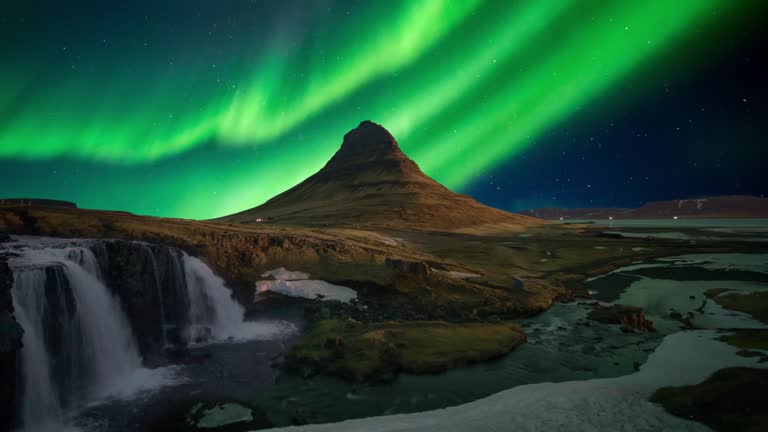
365	260
402	271
370	182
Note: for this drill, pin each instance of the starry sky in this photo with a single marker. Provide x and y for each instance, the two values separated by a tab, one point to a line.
202	108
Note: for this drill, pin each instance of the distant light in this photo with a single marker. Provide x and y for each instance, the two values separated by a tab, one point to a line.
675	218
610	217
561	218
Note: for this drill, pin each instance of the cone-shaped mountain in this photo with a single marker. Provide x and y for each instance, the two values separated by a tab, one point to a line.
370	181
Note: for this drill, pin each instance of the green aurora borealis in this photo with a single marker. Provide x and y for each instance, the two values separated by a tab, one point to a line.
226	104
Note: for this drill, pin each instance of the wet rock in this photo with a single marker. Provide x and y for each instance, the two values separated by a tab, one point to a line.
685	321
335	345
150	283
212	415
10	344
630	318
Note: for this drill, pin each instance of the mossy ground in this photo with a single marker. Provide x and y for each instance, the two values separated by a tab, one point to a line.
748	339
377	351
754	303
730	400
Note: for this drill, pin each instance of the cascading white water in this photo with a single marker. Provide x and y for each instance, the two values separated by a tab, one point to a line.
78	343
107	343
40	397
96	347
159	286
213	314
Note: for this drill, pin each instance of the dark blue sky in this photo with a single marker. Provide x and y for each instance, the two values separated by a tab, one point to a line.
692	134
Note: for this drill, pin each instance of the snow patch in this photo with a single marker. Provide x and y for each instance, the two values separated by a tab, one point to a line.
458	275
286	275
673	235
725	261
310	289
658	297
757	263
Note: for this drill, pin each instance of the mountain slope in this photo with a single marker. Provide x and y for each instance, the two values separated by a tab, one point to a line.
370	181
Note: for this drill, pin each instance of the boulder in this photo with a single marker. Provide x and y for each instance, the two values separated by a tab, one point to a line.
630	318
417	268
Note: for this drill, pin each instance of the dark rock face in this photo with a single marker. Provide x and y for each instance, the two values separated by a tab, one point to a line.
149	280
10	345
368	141
630	318
409	267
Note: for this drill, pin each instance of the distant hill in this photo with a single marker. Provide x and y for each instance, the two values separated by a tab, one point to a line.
42	202
554	213
370	181
731	206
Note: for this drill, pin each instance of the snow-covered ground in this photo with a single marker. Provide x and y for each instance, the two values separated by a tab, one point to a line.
721	262
458	274
615	404
674	235
283	274
298	284
725	223
658	297
725	261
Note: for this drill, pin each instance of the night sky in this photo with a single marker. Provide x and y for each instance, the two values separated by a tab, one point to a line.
201	108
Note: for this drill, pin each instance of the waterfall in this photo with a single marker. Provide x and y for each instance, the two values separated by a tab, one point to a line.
161	303
78	345
39	393
84	305
213	314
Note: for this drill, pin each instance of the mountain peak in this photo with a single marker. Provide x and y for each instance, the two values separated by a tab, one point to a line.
371	181
370	139
369	148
